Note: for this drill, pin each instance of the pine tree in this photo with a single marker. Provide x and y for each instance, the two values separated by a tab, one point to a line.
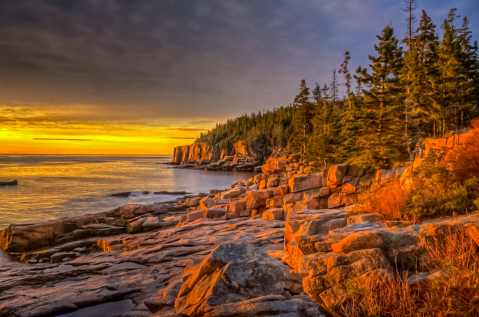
360	74
382	123
449	67
333	88
468	77
420	75
344	70
302	126
317	93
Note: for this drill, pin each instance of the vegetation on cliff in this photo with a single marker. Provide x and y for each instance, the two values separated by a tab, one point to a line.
428	89
444	184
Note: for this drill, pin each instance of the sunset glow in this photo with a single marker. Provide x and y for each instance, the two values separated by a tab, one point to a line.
45	130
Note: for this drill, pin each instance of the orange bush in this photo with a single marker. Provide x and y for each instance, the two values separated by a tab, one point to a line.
464	160
386	200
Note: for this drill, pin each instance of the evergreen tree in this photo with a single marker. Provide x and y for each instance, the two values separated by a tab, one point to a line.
381	130
360	74
301	124
420	75
344	70
468	77
317	93
333	89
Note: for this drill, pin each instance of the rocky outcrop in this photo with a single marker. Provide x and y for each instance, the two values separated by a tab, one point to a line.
251	250
360	250
215	158
9	183
128	218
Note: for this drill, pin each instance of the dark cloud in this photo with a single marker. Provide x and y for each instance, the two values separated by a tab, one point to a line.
185	59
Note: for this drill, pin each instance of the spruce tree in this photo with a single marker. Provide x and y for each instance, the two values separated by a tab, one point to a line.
344	70
420	75
301	124
468	77
382	126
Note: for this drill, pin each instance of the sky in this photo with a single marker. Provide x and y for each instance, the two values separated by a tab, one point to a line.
140	77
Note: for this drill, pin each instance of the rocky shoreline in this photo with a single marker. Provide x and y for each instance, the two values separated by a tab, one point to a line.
283	243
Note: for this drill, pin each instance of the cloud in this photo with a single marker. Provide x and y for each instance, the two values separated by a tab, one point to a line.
180	60
50	139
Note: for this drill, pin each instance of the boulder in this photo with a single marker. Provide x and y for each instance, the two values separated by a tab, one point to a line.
164	298
274	192
327	276
235	209
383	176
312	203
135	226
192	202
191	216
256	199
306	223
354	171
292	198
231	273
324	192
284	189
348	199
336	174
334	200
21	238
122	194
213	213
132	211
151	223
233	193
350	186
299	183
273	214
365	218
311	193
366	180
207	202
9	183
267	306
274	202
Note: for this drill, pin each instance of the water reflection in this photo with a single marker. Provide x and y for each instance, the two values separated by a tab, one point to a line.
52	187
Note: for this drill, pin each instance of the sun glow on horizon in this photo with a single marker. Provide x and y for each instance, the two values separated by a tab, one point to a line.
26	130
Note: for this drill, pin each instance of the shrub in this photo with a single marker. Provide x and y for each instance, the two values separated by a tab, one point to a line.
434	193
387	200
455	200
464	160
455	292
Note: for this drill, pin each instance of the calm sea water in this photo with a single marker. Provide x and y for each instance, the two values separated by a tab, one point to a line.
52	187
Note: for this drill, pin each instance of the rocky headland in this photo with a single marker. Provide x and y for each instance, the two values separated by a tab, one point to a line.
283	243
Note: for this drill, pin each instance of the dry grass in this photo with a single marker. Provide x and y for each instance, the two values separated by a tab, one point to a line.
463	161
454	293
386	200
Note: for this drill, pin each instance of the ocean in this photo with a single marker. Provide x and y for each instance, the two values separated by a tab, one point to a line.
54	186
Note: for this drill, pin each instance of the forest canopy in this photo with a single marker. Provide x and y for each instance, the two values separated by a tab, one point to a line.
426	89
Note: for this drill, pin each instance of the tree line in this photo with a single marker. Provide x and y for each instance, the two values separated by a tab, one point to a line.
427	89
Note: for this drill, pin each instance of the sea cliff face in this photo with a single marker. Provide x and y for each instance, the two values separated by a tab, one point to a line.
196	152
216	157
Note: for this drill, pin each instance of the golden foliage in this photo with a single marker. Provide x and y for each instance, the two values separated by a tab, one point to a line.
453	292
386	200
464	160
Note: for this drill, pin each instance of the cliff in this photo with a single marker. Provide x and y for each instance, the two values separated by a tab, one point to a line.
215	157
